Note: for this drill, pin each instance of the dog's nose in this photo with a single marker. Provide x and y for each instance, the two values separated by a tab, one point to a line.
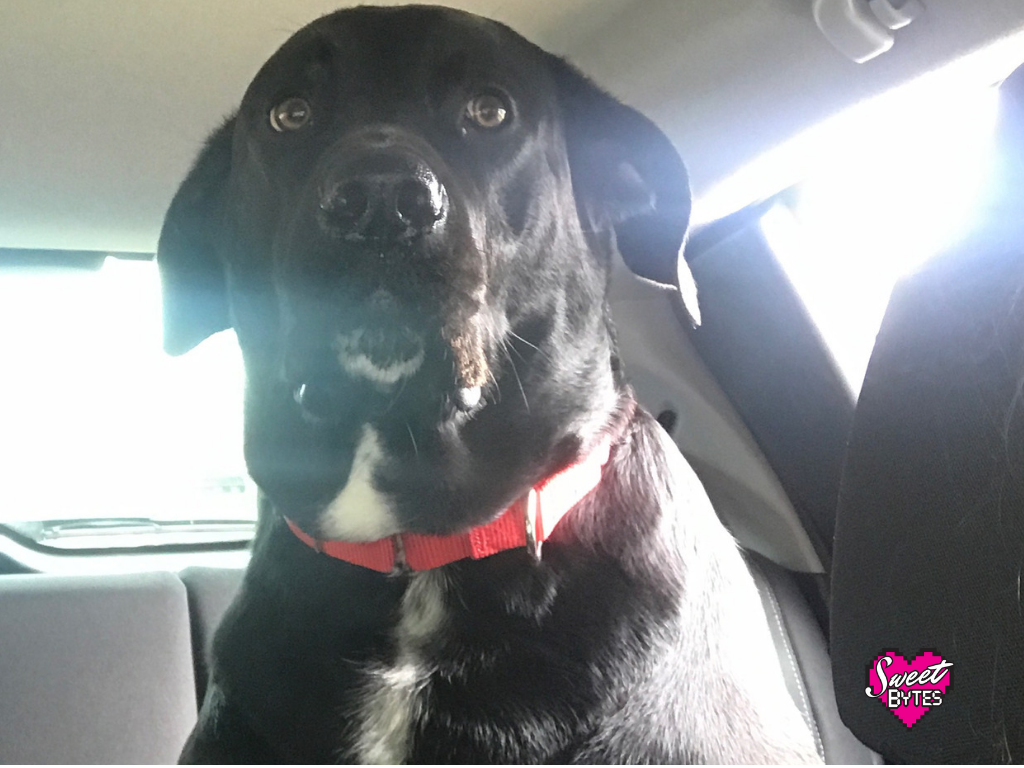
383	204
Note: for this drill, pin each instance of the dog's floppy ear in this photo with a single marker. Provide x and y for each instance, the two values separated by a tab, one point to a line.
191	272
628	171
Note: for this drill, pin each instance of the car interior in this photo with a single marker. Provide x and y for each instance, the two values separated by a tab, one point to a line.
852	397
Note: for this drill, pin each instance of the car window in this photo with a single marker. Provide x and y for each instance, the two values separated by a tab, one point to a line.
878	189
98	422
901	185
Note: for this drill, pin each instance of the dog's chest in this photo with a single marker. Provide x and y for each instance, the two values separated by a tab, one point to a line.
393	697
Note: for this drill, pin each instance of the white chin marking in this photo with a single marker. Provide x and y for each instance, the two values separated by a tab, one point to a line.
360	512
358	365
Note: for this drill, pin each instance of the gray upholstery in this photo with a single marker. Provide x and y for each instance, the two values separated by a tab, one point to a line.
100	669
94	669
805	664
210	592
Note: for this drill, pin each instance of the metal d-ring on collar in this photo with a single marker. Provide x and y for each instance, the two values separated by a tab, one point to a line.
531	516
401	565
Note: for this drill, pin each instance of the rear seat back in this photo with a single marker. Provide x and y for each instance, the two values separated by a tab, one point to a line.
210	592
100	669
94	669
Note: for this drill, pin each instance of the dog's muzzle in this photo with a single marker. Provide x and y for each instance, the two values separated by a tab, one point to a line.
383	212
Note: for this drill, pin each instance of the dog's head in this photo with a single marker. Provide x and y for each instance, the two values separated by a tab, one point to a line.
409	224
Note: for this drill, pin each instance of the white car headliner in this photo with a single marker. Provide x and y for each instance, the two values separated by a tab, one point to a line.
106	102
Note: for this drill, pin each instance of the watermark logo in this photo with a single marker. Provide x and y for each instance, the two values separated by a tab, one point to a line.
909	688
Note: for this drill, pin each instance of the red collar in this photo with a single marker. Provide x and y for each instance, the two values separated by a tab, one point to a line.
527	523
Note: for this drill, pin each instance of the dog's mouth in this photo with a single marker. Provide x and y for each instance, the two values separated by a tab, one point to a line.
383	356
380	356
370	352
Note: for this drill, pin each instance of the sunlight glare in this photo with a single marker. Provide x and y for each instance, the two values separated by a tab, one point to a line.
898	188
96	420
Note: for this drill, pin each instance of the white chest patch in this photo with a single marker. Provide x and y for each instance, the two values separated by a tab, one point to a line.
393	699
360	512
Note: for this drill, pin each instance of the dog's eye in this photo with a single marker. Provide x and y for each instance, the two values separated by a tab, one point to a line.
487	110
290	115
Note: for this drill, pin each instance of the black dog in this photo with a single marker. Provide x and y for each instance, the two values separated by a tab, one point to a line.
410	224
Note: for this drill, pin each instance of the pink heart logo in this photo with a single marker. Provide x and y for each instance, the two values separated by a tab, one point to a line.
909	688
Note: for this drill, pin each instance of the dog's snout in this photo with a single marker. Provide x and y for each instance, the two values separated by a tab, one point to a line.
385	200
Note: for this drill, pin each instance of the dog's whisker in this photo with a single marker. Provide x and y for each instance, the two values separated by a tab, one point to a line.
522	357
515	373
512	347
397	395
497	388
415	448
515	335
